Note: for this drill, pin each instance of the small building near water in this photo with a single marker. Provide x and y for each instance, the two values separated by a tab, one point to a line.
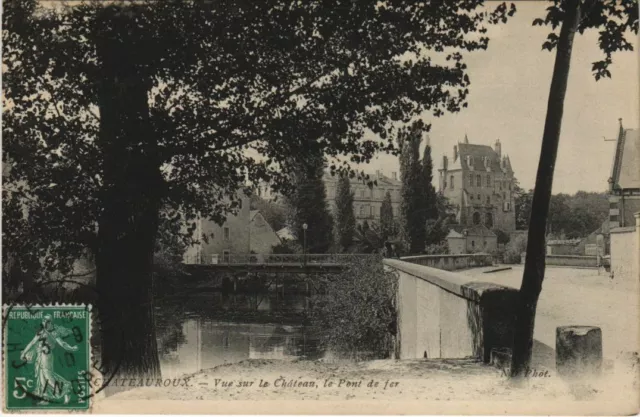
473	239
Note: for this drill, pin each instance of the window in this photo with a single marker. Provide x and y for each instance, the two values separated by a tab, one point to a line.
226	256
362	193
371	211
509	186
471	196
380	211
504	195
478	181
476	218
240	204
227	233
480	198
473	243
471	180
613	205
488	199
451	182
489	220
500	183
362	210
488	180
613	218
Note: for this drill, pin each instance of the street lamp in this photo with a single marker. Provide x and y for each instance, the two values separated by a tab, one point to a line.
304	242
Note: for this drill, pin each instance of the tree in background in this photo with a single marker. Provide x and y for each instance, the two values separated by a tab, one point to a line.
433	235
413	209
307	204
522	202
387	223
274	213
570	216
345	219
613	20
118	109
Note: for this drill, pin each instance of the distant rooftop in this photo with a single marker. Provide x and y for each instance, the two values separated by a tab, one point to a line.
625	172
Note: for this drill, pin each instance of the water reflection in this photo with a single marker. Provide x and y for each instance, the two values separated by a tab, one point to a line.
207	330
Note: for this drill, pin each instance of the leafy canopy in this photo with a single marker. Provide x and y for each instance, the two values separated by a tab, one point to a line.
234	89
613	19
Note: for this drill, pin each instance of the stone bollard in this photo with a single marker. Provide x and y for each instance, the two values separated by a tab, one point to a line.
501	359
578	351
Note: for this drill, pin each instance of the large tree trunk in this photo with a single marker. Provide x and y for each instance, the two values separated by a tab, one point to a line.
130	204
535	261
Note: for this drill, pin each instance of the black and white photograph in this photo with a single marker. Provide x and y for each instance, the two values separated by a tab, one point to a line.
321	207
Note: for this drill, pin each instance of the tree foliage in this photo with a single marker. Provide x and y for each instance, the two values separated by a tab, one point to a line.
211	100
274	213
357	313
412	207
345	218
307	204
387	223
570	216
613	20
117	109
433	236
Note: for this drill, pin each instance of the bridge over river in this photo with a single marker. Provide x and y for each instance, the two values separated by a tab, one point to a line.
288	264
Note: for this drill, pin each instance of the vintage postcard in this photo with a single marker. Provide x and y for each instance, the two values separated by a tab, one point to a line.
321	207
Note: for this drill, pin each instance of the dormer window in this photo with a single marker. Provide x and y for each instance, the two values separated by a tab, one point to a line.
478	181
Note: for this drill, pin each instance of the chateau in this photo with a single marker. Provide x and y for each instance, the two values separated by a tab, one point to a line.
479	182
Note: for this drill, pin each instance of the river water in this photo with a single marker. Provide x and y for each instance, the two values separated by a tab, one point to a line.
204	330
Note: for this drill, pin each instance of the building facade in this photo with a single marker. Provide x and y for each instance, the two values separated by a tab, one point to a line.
262	236
624	183
472	239
479	182
223	241
624	206
367	201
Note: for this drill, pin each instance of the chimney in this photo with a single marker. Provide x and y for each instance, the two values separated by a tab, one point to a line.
498	148
444	162
455	153
466	139
394	176
378	174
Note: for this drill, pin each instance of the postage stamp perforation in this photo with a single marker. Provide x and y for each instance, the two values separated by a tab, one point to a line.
57	310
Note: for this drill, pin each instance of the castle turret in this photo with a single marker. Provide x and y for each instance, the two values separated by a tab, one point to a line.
455	153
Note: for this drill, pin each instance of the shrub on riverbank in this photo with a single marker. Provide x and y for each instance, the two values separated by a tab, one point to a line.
356	312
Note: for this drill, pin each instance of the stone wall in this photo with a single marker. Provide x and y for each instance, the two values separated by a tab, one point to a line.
625	251
451	262
567	260
442	315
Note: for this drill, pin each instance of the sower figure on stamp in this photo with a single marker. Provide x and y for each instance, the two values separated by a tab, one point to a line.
50	386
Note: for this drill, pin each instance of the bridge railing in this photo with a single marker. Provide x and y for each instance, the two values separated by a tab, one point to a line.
243	259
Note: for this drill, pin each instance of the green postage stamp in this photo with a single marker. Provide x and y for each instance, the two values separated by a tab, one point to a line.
47	354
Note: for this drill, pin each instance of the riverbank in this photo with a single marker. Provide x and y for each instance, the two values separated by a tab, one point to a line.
380	380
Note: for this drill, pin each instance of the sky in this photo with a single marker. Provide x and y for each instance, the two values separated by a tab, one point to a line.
508	99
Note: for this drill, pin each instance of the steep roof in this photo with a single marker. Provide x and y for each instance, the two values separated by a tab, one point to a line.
478	153
381	179
625	172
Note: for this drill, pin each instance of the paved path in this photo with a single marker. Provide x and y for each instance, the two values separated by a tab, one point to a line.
581	297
